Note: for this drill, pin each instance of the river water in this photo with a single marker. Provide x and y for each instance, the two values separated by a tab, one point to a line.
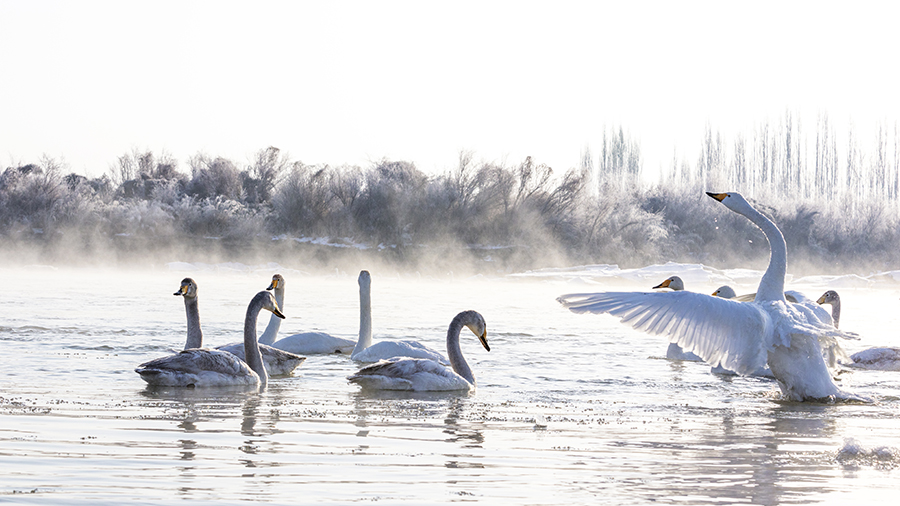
569	409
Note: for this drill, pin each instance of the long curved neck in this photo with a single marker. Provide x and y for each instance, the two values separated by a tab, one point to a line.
771	286
365	319
836	311
268	336
457	361
251	348
194	333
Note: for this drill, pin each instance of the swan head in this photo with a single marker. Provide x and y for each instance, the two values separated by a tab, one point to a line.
475	322
829	297
277	282
726	292
674	282
267	301
365	279
732	200
188	288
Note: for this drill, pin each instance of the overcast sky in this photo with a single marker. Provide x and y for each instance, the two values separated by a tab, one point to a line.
356	81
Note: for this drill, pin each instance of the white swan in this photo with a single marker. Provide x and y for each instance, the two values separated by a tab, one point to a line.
304	343
880	359
202	367
740	336
365	351
277	362
428	375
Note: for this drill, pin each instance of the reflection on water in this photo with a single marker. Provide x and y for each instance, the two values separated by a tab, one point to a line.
569	409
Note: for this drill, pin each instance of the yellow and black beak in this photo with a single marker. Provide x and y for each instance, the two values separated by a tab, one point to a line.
483	339
664	284
273	285
718	196
182	291
277	312
821	300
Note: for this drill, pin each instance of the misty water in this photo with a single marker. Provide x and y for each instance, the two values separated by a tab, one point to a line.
569	409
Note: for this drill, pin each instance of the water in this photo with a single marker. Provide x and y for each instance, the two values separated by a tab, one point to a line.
570	409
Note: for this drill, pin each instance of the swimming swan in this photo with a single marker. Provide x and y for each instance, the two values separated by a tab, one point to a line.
881	359
740	336
277	362
428	375
365	351
202	367
304	343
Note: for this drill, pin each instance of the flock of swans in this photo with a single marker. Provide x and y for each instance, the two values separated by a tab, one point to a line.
784	333
398	365
773	333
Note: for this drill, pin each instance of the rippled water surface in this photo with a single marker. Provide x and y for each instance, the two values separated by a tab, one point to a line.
570	409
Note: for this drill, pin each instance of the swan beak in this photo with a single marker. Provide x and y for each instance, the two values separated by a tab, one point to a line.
821	300
273	285
715	294
664	284
483	339
718	196
277	312
181	291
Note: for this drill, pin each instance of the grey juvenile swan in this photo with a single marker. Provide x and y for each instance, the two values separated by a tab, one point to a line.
202	367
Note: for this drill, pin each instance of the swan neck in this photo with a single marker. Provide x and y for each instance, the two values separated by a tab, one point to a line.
194	332
365	319
836	311
457	361
251	348
771	286
271	333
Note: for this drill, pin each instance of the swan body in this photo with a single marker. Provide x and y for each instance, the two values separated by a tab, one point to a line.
304	343
740	336
366	351
881	359
202	367
403	373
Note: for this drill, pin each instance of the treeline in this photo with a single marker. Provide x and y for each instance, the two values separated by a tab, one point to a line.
839	214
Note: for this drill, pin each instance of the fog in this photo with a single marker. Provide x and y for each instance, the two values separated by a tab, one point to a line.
837	206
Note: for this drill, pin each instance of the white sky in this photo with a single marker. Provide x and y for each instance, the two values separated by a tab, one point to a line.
355	81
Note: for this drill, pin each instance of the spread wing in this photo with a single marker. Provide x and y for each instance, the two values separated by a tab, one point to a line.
720	331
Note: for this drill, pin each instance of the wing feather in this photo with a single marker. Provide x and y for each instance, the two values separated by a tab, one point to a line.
720	331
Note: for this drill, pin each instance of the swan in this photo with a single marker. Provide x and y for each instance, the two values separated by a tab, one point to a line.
834	300
740	336
203	367
881	359
277	362
365	351
419	374
304	343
